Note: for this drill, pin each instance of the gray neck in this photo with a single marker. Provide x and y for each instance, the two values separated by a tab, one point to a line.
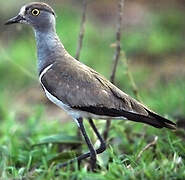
49	48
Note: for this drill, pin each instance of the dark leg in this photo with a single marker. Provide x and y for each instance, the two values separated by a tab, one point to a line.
89	144
102	142
86	155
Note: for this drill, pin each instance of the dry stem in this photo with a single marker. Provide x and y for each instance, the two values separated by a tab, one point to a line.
116	56
82	30
153	143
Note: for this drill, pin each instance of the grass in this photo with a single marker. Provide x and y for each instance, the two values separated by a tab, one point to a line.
30	146
20	159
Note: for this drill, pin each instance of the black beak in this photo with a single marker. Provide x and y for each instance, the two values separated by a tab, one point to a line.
16	19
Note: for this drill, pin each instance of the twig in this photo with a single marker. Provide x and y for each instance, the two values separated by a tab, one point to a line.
82	30
130	77
153	143
118	39
116	56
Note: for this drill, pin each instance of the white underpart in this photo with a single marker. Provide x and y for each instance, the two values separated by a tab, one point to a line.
74	113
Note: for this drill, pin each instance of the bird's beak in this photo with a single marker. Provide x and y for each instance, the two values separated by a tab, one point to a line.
16	19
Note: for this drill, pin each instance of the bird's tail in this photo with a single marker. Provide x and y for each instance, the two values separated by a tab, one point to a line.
152	119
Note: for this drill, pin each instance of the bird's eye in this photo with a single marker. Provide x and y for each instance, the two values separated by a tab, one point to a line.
35	12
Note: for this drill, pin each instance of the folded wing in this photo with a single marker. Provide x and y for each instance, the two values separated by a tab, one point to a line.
82	88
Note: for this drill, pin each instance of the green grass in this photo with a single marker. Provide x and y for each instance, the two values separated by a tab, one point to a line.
20	159
30	146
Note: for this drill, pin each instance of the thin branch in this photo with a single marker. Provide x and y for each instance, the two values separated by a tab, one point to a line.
130	77
153	143
116	56
82	30
118	39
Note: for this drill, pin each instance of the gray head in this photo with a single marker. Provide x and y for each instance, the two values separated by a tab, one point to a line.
42	18
39	15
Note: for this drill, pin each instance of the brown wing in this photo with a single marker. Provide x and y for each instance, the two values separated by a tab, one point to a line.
82	88
79	86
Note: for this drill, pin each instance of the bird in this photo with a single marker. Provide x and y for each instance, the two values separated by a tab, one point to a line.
78	89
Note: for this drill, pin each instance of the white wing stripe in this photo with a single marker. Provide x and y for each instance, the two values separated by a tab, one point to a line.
44	71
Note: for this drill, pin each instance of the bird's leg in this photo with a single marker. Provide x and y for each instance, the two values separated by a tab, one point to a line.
89	144
86	155
102	142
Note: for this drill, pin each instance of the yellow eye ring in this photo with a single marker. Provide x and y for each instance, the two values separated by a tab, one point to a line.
35	12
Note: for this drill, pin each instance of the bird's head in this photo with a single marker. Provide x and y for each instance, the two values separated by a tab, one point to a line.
39	15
